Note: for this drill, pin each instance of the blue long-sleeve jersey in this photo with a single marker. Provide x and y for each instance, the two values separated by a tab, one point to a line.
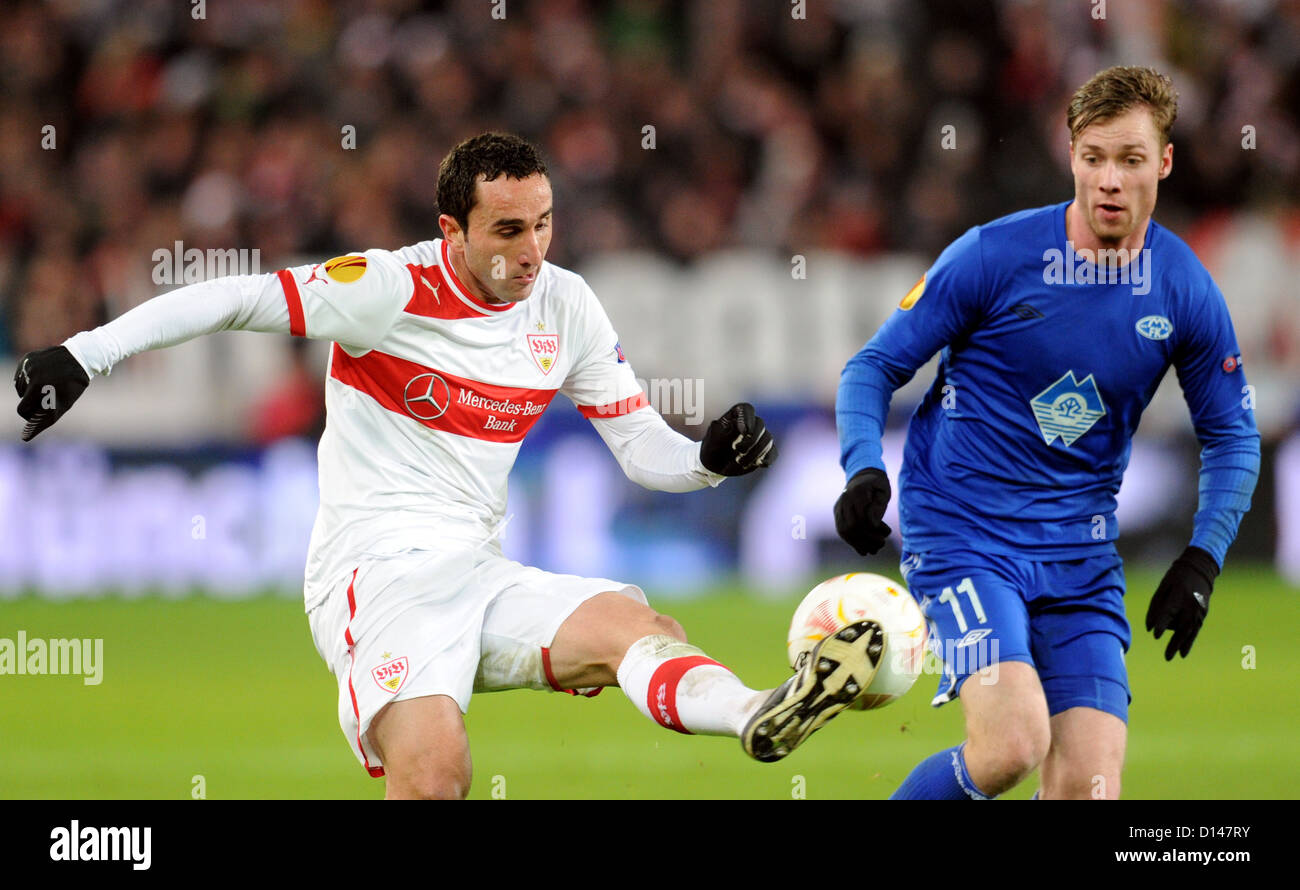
1048	361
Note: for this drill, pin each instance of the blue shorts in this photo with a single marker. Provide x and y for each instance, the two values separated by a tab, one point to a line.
1064	618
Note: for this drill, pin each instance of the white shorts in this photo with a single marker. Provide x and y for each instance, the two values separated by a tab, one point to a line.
428	623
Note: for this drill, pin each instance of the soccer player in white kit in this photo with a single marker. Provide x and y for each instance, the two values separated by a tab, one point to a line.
445	353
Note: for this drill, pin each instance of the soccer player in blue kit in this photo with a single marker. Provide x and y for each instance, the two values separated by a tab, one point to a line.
1056	326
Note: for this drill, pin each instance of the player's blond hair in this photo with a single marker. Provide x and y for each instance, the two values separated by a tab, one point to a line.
1112	92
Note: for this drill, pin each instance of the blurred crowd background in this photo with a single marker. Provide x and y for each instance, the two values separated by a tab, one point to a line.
677	130
771	131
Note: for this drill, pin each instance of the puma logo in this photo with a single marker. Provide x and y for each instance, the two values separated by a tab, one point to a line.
433	287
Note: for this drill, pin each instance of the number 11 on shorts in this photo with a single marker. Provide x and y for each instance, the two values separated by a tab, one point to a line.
967	587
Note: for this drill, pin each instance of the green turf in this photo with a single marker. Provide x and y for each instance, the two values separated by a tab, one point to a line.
234	692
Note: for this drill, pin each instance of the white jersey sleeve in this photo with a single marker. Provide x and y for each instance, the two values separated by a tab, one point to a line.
601	382
237	302
652	454
351	299
607	392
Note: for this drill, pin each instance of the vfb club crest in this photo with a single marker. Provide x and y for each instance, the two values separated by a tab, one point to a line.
544	348
392	674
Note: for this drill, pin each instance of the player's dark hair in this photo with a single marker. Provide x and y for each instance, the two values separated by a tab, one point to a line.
488	155
1114	91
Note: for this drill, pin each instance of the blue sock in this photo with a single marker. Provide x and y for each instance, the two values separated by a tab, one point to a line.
941	776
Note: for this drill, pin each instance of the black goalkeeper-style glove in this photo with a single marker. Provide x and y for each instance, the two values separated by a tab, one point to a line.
1182	600
860	511
48	382
737	443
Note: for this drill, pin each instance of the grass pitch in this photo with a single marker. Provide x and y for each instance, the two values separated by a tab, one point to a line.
234	693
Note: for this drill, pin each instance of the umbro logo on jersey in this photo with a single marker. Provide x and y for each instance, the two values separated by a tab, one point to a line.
1068	408
1025	311
392	674
426	396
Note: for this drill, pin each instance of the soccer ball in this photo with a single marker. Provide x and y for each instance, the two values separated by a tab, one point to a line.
839	602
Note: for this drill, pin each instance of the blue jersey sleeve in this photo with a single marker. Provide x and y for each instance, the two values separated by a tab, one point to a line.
943	306
1222	405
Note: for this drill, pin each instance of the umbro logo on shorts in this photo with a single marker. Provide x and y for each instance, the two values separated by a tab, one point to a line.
973	637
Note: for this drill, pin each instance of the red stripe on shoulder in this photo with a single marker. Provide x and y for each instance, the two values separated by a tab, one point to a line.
432	299
297	325
615	409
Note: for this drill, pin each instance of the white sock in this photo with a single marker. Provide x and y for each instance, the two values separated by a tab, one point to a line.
679	687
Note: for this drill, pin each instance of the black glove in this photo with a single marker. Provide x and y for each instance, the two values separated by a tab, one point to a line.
860	511
737	443
1182	600
48	382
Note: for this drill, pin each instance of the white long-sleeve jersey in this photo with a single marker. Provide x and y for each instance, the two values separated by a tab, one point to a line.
429	393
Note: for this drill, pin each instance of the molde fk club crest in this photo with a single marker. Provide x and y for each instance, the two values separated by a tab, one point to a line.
1068	408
